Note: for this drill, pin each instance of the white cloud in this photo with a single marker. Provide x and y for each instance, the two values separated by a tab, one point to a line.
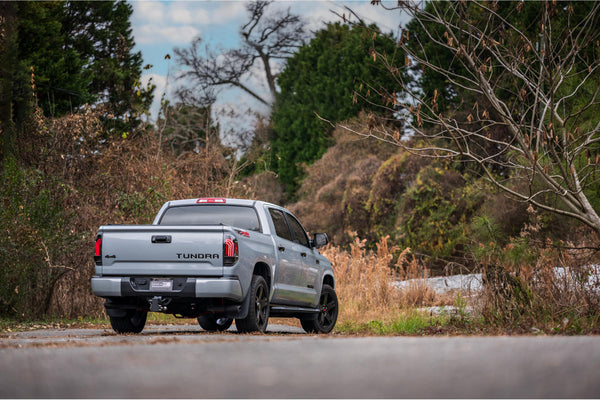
151	34
228	13
161	86
180	15
148	11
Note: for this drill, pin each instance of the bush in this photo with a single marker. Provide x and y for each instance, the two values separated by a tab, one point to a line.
534	283
435	213
35	238
67	182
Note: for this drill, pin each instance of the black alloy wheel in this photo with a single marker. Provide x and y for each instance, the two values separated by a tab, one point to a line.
258	311
325	319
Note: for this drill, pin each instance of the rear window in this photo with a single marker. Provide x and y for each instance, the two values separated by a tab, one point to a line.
237	216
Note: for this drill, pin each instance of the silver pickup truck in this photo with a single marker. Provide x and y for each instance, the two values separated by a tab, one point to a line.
216	260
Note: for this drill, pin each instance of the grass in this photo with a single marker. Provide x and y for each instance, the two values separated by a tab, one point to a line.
14	325
365	283
411	322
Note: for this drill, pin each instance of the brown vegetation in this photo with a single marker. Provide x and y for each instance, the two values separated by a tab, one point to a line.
96	182
365	282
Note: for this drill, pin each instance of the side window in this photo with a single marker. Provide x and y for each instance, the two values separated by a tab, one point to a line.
281	227
297	230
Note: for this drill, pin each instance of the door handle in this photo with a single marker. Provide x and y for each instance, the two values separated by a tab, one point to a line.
281	248
303	254
161	239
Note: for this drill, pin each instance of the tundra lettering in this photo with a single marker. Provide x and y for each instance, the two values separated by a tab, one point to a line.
197	256
236	259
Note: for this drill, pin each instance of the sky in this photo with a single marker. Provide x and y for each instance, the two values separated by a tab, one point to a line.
160	26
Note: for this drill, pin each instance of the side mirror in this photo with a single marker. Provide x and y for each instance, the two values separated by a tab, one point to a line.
320	240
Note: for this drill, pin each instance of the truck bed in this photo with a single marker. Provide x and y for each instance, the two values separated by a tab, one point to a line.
129	250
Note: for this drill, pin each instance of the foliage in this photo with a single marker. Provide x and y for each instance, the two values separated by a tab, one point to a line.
322	79
521	96
436	211
62	55
100	32
363	186
534	283
61	81
334	195
69	181
36	235
188	128
365	282
8	59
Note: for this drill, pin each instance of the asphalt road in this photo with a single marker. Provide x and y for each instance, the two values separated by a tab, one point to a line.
184	361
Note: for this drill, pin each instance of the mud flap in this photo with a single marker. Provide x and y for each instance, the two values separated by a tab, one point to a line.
243	313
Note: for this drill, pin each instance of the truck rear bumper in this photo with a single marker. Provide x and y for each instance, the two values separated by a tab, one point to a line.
227	288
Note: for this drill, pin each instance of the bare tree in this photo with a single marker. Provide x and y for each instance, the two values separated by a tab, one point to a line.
528	111
266	36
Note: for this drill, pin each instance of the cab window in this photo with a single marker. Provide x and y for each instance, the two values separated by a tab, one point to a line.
297	230
281	227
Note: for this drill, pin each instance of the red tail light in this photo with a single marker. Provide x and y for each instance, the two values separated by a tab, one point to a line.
98	251
230	250
98	246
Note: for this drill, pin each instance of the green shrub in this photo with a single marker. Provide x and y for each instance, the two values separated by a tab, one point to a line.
435	213
34	238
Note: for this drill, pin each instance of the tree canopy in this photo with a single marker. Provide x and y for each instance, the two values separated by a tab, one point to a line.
524	93
62	55
322	79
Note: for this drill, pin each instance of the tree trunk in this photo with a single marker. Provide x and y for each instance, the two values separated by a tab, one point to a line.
8	63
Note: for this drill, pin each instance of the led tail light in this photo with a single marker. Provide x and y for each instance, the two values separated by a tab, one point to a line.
98	251
230	250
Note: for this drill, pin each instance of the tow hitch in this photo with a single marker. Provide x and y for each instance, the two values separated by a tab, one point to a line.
158	304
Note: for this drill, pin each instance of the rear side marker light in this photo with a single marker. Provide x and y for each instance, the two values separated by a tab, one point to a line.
242	233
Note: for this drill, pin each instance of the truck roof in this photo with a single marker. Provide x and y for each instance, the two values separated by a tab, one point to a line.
218	200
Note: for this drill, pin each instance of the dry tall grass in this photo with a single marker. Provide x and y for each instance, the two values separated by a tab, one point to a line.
365	282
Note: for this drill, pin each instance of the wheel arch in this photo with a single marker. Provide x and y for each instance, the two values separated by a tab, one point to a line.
263	270
328	280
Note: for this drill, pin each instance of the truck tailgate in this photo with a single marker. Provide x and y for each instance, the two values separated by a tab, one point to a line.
152	250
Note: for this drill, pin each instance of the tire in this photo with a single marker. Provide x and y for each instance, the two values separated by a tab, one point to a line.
258	311
215	322
325	319
133	322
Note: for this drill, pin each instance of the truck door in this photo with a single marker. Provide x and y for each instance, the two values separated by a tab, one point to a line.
289	281
308	280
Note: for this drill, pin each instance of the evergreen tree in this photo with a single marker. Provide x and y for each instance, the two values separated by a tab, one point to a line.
324	78
61	83
68	54
100	31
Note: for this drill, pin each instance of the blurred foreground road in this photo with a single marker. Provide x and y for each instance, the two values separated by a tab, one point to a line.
184	361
